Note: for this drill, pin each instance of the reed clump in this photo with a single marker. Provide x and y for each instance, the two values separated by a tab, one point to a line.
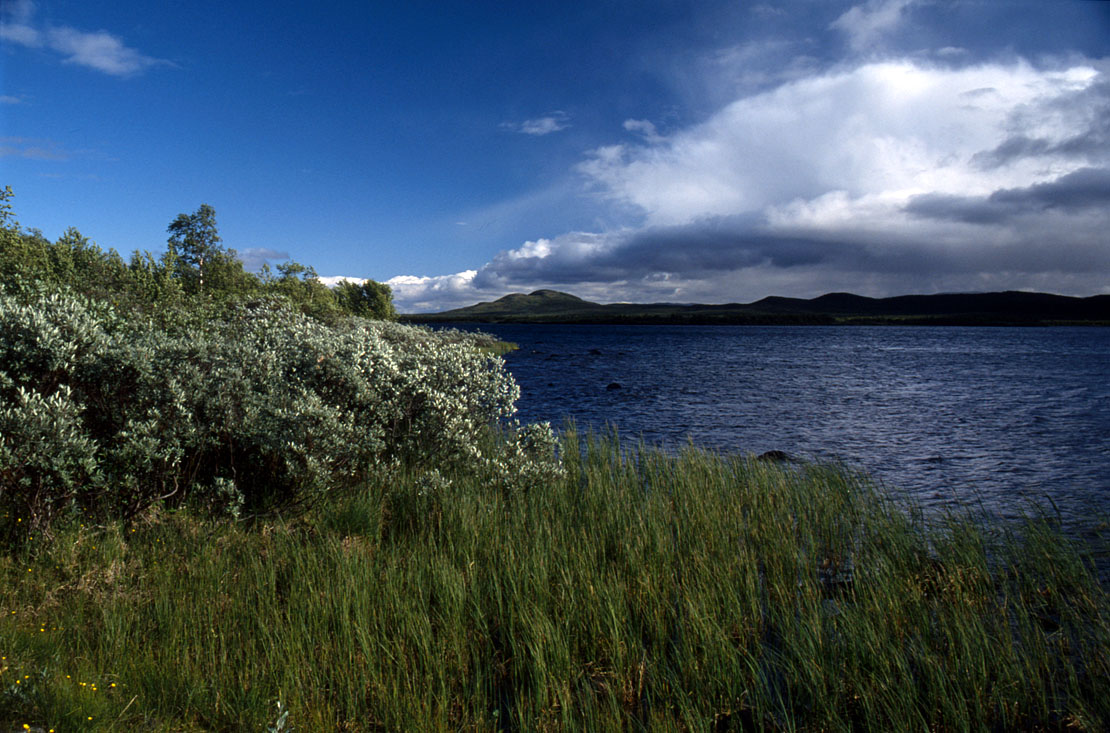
633	590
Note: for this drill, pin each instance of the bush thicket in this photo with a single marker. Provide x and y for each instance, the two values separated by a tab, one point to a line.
257	408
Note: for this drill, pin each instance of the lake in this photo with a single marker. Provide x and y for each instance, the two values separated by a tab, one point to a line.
997	416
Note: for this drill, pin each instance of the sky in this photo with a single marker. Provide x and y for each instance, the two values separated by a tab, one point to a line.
620	150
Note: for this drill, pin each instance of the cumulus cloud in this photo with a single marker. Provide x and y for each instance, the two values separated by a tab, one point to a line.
540	126
413	294
891	128
99	50
883	178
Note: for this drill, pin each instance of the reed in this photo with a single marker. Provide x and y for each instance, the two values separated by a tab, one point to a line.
643	590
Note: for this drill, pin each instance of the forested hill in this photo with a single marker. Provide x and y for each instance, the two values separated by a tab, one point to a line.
1005	308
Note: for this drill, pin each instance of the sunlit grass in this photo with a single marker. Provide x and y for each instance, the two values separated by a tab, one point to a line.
645	591
498	348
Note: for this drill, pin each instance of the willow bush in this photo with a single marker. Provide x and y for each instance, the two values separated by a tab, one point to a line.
244	408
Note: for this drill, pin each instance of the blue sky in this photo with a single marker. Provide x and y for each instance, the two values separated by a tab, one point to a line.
640	151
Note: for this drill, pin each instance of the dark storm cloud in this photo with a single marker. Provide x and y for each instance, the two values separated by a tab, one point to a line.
697	250
946	207
703	250
717	249
1085	188
1081	189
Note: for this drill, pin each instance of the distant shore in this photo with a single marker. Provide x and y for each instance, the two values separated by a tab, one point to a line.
1009	308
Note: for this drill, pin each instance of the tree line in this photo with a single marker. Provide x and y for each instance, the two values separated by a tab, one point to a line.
195	269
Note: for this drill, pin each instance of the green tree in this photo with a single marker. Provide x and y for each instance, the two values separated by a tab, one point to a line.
368	300
24	255
301	286
7	216
195	242
203	264
152	280
82	265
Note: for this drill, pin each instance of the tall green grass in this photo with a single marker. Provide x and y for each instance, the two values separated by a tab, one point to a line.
643	591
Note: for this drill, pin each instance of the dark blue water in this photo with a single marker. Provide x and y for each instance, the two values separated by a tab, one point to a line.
953	416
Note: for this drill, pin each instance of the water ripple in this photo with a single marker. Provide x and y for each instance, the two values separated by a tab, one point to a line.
994	416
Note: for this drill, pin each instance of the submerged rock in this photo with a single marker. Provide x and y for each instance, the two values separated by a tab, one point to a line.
773	455
613	385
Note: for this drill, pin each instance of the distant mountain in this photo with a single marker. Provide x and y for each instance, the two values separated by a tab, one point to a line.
535	303
1006	308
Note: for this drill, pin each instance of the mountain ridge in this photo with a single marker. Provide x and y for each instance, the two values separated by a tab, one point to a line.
1010	307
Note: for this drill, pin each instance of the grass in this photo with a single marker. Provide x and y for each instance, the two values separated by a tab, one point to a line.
498	348
645	591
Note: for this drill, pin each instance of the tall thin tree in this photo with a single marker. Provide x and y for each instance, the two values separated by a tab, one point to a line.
194	240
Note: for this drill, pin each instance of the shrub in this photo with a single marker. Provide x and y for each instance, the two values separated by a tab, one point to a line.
46	460
247	407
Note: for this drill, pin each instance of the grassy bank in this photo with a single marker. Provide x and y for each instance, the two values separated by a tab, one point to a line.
690	592
498	348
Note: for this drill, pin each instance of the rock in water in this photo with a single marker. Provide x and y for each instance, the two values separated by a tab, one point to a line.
773	455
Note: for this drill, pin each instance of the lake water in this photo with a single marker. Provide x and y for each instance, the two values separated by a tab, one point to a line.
998	416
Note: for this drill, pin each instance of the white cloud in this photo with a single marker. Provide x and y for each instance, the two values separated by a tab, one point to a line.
645	128
15	18
10	99
332	280
865	25
540	126
412	294
894	128
99	50
24	35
